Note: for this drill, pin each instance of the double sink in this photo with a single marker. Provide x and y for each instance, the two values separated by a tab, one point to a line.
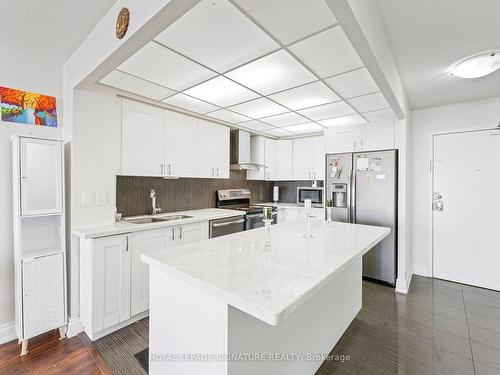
149	220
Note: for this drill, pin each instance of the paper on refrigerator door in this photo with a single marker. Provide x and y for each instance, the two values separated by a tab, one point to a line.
363	164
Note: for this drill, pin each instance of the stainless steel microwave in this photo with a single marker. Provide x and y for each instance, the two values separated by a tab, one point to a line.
315	194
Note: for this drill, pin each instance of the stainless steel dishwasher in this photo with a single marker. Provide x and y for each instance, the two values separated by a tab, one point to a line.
228	225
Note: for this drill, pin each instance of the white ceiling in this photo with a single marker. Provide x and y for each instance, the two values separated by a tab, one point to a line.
428	36
50	30
283	75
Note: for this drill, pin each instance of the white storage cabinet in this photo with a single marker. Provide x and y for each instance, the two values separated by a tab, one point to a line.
162	143
39	237
115	282
309	158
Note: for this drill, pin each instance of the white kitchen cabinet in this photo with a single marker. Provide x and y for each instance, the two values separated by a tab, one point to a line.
190	233
213	150
339	141
163	143
373	137
284	151
41	176
114	282
318	157
270	156
105	283
143	139
143	243
308	158
181	149
359	138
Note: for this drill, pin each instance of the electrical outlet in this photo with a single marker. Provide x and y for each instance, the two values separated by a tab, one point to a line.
101	198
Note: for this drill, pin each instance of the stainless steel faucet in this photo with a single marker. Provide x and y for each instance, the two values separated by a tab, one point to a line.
153	202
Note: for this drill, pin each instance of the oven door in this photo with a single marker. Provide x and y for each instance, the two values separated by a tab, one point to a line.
314	194
253	221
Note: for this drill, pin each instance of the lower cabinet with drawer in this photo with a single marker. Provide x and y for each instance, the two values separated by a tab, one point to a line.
114	283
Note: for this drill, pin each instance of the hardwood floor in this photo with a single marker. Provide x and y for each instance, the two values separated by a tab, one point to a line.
438	328
49	355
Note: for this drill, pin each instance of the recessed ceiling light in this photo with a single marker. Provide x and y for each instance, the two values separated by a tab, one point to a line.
477	66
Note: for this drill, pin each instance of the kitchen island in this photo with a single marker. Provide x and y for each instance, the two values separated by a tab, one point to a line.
231	306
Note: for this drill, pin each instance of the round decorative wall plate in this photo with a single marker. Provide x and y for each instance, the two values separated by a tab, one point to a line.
122	22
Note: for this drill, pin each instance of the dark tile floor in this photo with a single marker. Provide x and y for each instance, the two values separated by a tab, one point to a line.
438	328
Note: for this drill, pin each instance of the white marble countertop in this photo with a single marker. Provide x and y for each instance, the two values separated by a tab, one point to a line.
268	284
126	227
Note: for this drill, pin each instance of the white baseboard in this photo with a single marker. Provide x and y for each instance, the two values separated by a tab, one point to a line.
402	286
74	327
421	270
7	332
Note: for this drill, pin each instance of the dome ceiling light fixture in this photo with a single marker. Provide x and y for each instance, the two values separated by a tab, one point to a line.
477	66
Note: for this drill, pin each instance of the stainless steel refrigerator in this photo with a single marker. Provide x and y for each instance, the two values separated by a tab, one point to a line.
363	190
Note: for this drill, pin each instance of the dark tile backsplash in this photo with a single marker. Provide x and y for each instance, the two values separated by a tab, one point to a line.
132	193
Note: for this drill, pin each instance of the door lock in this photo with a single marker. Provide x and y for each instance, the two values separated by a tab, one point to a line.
438	203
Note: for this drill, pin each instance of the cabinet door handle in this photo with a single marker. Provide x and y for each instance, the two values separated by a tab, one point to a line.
213	171
180	233
309	174
173	234
126	245
161	169
217	172
170	169
314	175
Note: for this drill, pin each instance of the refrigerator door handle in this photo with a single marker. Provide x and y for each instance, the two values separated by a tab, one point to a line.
349	197
353	198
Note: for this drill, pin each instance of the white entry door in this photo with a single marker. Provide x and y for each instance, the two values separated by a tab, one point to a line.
466	208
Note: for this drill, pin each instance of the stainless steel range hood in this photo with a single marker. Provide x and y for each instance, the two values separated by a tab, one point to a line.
240	151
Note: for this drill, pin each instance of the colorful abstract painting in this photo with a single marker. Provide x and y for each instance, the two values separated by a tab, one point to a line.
28	108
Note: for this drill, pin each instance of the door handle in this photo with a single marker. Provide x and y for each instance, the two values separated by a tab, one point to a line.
170	169
217	172
213	171
173	234
180	233
353	198
218	225
161	169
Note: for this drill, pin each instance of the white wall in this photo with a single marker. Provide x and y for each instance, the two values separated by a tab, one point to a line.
477	114
20	70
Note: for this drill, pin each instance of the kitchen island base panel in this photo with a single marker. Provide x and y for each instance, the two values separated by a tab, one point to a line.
184	320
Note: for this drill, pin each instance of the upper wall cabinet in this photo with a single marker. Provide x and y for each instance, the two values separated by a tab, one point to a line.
41	177
213	150
371	137
284	149
308	158
143	133
162	143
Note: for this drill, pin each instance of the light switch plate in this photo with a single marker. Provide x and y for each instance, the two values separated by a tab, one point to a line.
88	199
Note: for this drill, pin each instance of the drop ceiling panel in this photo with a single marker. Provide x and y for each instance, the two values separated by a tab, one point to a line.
259	108
309	95
189	103
328	111
126	82
289	20
328	53
222	92
285	119
225	115
355	83
164	67
256	125
307	128
217	35
278	133
384	114
275	72
345	120
370	102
